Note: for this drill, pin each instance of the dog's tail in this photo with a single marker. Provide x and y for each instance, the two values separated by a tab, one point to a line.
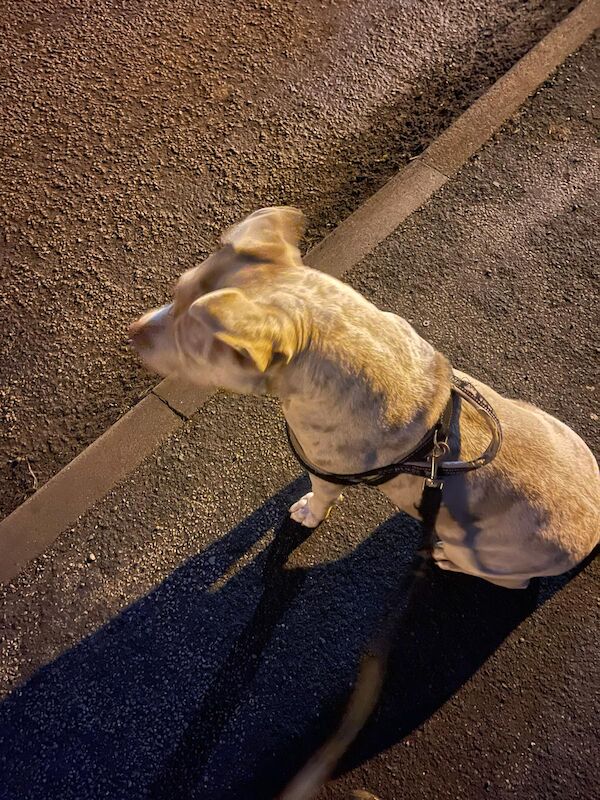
363	699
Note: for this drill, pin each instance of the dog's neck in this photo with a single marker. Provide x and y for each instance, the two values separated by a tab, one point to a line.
346	421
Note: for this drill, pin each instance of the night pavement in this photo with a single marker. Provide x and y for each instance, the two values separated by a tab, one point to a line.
164	647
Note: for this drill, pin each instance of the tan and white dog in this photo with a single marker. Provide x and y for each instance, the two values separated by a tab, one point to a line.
359	388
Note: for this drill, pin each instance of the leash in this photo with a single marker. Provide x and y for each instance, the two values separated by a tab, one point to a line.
374	660
367	688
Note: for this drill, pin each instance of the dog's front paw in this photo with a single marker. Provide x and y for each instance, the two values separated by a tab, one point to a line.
302	512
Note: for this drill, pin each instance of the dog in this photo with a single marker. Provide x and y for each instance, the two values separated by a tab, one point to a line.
359	388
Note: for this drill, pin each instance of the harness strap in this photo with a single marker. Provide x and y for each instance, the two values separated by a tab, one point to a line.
416	462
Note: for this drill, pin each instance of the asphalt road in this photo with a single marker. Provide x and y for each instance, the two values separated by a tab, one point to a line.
133	133
165	647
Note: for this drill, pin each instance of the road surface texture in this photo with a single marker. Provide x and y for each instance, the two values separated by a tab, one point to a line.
134	133
172	645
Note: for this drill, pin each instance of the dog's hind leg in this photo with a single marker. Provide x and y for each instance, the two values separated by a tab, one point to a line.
315	506
443	561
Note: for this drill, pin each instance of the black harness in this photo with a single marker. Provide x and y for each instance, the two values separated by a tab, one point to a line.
427	459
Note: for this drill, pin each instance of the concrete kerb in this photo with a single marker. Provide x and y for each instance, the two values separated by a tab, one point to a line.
57	505
37	522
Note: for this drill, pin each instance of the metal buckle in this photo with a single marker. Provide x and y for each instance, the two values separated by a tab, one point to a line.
440	448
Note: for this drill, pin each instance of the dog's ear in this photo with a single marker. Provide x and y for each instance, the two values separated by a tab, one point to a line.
255	329
271	234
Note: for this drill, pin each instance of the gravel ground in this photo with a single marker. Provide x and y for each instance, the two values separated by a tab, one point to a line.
163	648
132	134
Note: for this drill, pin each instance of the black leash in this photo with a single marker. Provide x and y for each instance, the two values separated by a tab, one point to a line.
374	660
373	665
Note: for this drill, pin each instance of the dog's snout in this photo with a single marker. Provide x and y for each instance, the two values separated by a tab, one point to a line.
144	332
139	334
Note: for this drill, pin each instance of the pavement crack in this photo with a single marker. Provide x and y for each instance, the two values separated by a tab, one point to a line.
170	407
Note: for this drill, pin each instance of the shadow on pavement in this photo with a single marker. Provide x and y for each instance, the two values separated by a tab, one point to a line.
223	693
452	626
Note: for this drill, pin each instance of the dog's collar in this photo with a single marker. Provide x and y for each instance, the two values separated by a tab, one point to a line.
417	462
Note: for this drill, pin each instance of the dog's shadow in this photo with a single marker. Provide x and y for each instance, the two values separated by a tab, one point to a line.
222	688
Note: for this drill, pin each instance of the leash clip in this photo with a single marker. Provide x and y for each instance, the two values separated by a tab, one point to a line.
440	448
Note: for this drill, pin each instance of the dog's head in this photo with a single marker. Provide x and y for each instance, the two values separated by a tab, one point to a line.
225	328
